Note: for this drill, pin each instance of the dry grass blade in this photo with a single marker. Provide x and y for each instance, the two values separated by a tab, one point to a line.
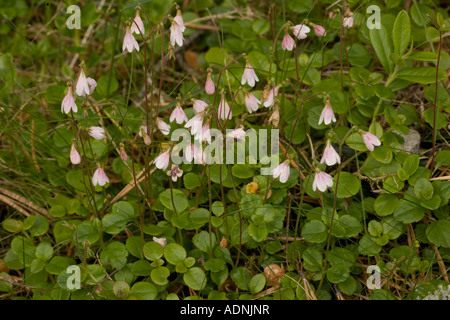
441	263
130	186
22	203
14	205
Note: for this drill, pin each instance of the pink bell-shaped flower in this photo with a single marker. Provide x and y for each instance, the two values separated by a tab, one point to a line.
288	43
319	30
198	105
224	108
300	31
210	88
282	171
270	100
179	20
195	123
137	26
327	114
99	178
238	133
162	126
98	133
176	35
370	140
322	181
129	42
82	87
162	161
251	102
75	157
347	22
249	76
330	156
178	115
68	102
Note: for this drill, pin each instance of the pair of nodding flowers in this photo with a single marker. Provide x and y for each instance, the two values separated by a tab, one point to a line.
84	86
300	31
99	178
176	32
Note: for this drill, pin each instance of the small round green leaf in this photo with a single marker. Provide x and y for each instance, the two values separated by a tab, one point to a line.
153	251
315	231
195	278
174	253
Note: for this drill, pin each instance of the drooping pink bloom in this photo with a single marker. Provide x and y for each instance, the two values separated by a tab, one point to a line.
129	42
195	154
251	102
224	108
198	105
319	30
82	87
370	140
162	161
327	114
300	31
143	133
68	102
161	241
98	133
147	139
179	20
347	22
137	26
210	88
178	115
282	171
288	43
75	157
92	84
99	178
175	172
249	75
176	35
271	96
204	134
195	123
238	133
322	181
330	156
123	154
162	126
332	14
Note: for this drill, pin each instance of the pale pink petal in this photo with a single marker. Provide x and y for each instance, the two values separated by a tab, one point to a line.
75	157
82	87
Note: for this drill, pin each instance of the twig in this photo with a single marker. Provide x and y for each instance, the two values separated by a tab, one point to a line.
25	202
11	203
441	263
139	177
